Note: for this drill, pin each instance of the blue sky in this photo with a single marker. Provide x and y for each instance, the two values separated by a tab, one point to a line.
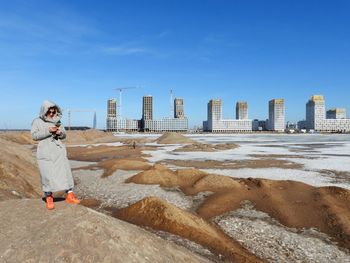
76	52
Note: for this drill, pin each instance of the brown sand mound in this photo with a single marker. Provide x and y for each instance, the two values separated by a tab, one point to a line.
160	215
173	138
30	233
165	177
110	166
201	147
293	204
239	164
18	137
190	181
90	136
100	153
19	174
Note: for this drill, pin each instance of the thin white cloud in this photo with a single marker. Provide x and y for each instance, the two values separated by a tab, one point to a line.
124	50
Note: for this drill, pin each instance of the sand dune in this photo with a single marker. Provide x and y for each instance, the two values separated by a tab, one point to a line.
19	174
100	153
159	174
202	147
158	214
89	136
18	137
110	166
292	203
173	138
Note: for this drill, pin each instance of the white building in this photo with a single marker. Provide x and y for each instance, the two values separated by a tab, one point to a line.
276	115
337	113
241	110
316	117
315	112
215	123
113	124
177	124
166	124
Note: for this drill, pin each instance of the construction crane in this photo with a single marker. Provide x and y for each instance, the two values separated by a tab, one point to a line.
171	104
81	110
119	105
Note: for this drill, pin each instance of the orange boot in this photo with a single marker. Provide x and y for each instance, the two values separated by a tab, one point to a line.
49	202
71	199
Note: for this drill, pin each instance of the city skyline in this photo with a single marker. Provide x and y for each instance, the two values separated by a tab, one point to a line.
77	52
317	118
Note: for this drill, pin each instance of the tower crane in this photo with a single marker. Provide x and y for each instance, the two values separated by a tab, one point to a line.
81	110
171	104
119	112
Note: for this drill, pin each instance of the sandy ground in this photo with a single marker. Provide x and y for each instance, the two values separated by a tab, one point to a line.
296	188
285	225
73	233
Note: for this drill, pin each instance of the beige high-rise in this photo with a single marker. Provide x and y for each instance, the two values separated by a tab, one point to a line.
112	108
147	108
337	113
179	108
276	115
241	110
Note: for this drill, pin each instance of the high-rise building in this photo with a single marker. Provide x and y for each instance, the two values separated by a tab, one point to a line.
118	124
316	117
215	123
337	113
276	115
214	110
315	112
147	108
179	108
112	108
241	110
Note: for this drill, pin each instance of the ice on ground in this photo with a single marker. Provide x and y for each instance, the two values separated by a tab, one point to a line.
308	177
269	138
79	164
116	144
267	239
336	163
166	153
112	190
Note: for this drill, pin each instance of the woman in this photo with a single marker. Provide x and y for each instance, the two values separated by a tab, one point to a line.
54	167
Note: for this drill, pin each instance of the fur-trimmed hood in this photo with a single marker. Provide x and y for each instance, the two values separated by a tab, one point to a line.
45	107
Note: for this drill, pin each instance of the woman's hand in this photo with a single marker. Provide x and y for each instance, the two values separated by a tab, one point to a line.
53	129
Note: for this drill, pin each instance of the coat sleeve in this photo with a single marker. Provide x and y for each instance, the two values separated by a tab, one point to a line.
38	132
63	133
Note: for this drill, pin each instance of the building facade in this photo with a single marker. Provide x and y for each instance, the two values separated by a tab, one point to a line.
316	117
166	124
276	115
179	108
113	124
338	113
241	110
112	108
315	112
177	124
215	123
147	107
